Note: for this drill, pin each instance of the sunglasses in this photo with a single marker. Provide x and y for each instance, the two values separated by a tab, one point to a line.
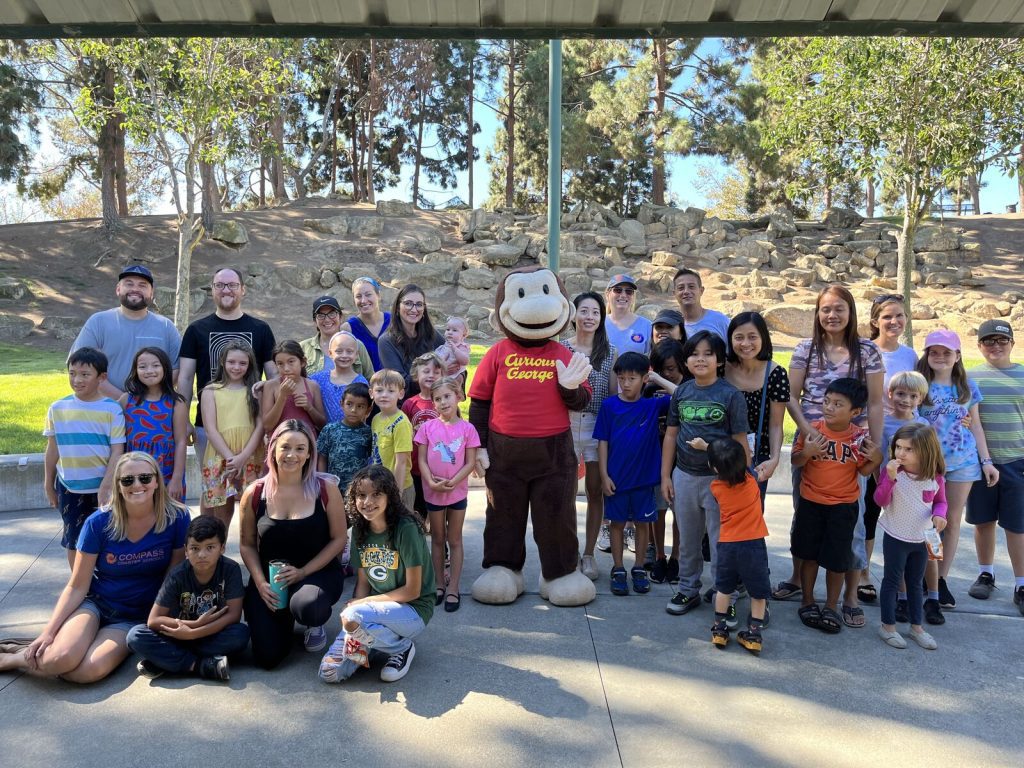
995	341
885	298
127	481
621	290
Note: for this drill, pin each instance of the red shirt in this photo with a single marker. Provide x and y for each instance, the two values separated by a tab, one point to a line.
419	409
740	506
522	384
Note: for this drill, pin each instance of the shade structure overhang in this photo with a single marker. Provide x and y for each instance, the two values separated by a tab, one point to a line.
542	19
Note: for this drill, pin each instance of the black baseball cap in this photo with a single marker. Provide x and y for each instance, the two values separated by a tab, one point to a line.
668	317
326	301
136	270
995	328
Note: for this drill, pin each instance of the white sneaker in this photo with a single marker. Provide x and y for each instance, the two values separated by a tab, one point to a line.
925	640
588	567
604	542
398	665
629	535
315	639
892	639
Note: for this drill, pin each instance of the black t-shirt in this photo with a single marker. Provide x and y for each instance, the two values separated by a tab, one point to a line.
187	599
206	337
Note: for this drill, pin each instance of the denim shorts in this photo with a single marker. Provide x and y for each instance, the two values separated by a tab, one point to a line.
967	474
453	505
108	617
745	561
582	425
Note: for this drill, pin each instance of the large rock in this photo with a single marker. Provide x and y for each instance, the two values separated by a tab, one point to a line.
610	241
501	255
61	328
14	327
477	279
366	226
394	208
429	240
435	274
230	232
936	239
780	221
328	278
163	299
300	277
791	320
841	218
685	220
633	231
335	225
13	288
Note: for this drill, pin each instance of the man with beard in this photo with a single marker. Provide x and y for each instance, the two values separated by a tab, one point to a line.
122	331
205	338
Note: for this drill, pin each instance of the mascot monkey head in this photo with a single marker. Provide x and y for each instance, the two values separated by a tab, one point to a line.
532	305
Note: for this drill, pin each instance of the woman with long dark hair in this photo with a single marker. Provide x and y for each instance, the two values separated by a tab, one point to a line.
410	335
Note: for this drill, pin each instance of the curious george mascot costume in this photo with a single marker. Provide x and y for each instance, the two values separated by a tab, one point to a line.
520	398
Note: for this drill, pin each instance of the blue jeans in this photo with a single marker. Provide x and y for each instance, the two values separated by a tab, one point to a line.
181	656
384	627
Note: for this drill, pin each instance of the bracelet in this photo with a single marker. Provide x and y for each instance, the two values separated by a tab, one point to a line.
986	462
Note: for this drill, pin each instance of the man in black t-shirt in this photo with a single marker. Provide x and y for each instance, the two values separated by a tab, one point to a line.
205	338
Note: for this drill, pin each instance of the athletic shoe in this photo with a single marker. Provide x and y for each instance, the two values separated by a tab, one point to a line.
214	668
680	604
925	640
315	639
629	539
946	599
619	583
588	567
731	621
902	612
398	665
604	542
1018	599
750	639
659	573
933	613
640	583
650	556
149	670
981	589
673	571
720	633
709	595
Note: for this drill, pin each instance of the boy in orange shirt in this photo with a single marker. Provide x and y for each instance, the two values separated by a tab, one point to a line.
742	553
832	456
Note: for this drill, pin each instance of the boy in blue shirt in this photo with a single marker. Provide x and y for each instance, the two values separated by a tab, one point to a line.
628	454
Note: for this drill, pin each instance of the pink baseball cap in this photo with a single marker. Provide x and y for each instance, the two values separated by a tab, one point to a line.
943	338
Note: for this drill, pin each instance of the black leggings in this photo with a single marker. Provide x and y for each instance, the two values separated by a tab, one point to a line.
871	510
310	603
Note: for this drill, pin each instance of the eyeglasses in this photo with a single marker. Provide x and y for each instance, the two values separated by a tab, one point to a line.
619	290
227	286
128	481
996	341
325	315
885	298
413	304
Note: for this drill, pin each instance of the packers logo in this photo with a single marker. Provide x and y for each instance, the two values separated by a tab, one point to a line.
377	572
701	413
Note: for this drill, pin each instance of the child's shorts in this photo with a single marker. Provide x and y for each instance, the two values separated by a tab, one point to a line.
824	533
463	504
636	505
745	561
1003	502
967	474
74	509
582	425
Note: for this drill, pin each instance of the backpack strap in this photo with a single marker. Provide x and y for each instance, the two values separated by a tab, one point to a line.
257	496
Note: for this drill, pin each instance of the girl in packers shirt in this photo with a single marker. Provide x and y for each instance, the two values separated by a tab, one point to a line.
394	595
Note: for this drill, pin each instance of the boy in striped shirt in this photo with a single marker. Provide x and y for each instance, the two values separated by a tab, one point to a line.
84	438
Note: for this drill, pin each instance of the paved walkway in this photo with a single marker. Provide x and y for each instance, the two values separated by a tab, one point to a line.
617	683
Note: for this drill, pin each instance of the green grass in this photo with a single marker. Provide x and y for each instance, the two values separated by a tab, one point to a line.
31	379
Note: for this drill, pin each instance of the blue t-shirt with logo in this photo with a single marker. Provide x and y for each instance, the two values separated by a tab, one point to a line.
128	574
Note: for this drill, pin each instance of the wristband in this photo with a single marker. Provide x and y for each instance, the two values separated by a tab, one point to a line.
986	462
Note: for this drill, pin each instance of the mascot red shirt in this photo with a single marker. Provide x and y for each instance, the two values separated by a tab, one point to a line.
521	394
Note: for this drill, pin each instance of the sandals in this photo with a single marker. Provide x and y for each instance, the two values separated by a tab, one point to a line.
853	616
810	615
830	623
785	590
452	602
866	593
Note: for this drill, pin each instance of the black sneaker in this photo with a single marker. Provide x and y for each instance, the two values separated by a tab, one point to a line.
398	665
709	595
720	633
659	573
673	571
680	604
214	668
902	612
981	589
1018	599
731	621
149	670
946	599
750	639
933	613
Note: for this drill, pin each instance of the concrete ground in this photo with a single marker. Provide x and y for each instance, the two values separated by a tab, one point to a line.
616	683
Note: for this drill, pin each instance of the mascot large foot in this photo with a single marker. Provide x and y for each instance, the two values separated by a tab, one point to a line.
498	586
568	591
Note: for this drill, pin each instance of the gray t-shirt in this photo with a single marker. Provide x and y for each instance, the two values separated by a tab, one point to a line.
712	412
119	338
713	321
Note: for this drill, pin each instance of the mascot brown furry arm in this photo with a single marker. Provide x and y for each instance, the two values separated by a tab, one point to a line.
520	397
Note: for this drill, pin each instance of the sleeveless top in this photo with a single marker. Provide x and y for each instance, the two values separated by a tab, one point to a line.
234	422
361	332
598	379
149	427
292	411
296	541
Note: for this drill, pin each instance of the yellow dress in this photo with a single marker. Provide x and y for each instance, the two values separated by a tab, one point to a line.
235	425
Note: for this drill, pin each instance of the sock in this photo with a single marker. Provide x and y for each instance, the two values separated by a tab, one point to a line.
901	596
933	595
989	569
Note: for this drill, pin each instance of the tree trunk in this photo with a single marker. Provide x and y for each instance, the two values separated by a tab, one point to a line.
1020	180
190	232
418	165
974	187
108	157
277	184
510	128
471	87
334	141
121	174
828	197
659	50
210	202
904	268
371	136
263	182
871	197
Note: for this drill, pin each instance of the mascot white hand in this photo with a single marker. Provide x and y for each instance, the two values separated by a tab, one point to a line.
575	373
483	462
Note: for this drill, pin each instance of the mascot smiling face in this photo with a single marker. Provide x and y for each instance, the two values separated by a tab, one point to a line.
532	305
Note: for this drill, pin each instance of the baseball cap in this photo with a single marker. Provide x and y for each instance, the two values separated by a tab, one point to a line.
995	328
326	301
668	317
136	270
942	338
621	280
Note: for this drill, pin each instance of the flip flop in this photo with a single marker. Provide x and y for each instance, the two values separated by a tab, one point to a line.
15	644
810	615
785	590
866	593
830	622
853	616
